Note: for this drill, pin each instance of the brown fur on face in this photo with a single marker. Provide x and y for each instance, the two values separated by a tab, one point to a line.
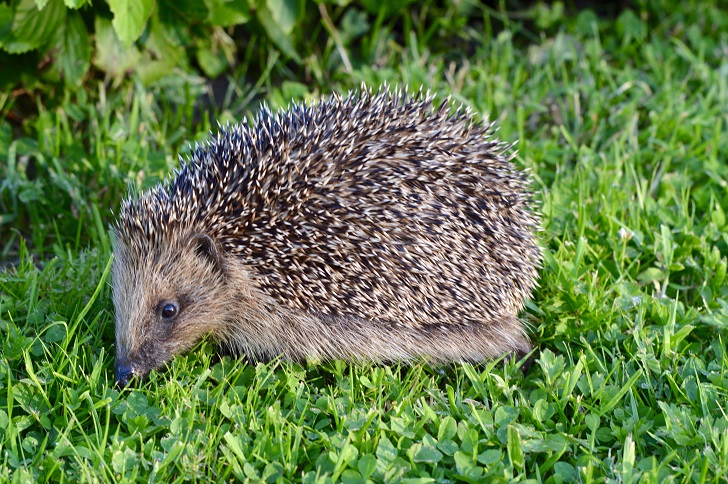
187	274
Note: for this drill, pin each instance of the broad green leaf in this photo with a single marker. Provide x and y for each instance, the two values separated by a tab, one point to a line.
448	428
490	457
424	453
277	35
130	17
386	452
592	421
56	333
111	55
224	13
284	13
6	22
162	54
448	447
505	415
31	28
567	472
720	272
15	343
367	465
463	463
73	50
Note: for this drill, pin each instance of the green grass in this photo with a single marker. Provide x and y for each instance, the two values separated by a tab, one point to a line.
623	123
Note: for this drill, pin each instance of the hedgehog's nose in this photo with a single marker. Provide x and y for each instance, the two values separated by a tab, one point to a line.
123	373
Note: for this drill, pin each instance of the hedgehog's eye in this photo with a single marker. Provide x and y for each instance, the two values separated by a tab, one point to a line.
169	310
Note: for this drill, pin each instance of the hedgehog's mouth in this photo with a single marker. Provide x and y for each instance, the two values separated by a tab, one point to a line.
123	373
128	368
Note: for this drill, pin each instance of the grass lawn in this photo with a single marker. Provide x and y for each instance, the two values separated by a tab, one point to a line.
623	122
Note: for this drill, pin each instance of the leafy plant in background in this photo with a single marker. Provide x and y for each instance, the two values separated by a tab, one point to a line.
148	35
154	37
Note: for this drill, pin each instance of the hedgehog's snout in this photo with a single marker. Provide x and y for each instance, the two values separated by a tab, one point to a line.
123	373
136	364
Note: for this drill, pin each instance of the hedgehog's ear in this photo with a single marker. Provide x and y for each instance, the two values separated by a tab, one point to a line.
206	248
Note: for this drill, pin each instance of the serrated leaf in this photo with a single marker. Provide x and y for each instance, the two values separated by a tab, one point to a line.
552	365
31	28
224	13
73	50
130	17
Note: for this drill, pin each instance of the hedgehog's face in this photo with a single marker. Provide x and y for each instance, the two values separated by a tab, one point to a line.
165	301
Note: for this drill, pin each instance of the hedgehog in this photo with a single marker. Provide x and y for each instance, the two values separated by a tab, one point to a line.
377	227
